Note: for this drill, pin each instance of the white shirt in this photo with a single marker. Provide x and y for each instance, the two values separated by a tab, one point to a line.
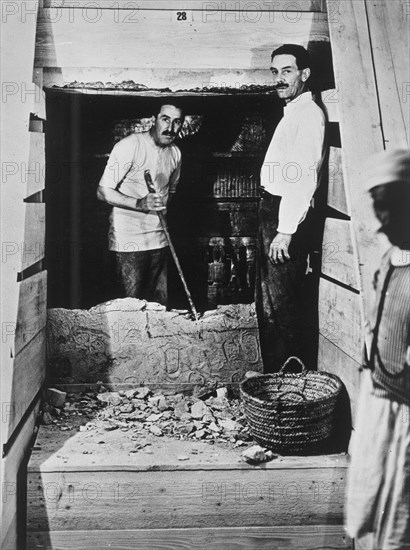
293	160
132	231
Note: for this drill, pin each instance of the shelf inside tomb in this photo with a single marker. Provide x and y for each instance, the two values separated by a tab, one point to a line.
217	196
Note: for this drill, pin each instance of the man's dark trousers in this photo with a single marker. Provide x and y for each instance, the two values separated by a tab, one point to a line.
280	290
144	274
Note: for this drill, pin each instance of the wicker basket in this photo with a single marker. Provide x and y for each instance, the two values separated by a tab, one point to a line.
291	412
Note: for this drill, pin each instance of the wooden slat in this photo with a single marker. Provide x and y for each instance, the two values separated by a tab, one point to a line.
31	249
13	477
339	318
332	359
389	31
39	107
96	39
338	259
19	388
336	194
324	537
360	128
181	499
32	310
35	169
198	5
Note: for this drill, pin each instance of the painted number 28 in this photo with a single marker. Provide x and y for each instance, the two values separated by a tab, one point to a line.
181	15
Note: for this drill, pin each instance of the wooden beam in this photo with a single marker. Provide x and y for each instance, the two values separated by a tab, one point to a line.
98	38
339	318
13	476
185	498
240	538
360	128
390	36
196	5
32	310
338	259
36	169
22	378
31	249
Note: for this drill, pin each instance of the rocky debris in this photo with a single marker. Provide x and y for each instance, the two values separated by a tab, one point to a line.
142	413
56	398
257	454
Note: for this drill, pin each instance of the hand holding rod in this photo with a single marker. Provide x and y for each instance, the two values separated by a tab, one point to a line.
151	189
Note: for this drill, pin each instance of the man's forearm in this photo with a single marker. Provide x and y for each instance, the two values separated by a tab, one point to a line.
152	201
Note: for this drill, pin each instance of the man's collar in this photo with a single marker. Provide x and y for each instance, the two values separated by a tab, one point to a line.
301	99
399	257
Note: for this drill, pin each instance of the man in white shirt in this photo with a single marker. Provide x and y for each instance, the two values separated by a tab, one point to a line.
136	234
289	177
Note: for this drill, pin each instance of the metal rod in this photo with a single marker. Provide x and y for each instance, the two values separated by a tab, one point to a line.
151	189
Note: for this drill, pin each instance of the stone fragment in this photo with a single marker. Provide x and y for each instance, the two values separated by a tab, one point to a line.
199	409
182	457
163	403
110	397
46	418
155	430
222	393
186	416
153	417
181	408
55	397
212	426
257	454
129	394
199	434
143	392
127	408
229	425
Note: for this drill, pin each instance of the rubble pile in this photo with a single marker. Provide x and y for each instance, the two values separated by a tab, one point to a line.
143	412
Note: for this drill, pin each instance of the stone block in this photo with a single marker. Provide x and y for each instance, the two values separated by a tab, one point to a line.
128	341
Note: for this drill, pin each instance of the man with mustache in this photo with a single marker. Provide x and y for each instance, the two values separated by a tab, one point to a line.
289	178
136	235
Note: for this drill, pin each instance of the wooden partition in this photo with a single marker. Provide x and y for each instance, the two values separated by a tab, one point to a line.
371	36
23	278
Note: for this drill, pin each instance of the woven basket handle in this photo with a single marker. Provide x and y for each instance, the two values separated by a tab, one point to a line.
286	363
298	393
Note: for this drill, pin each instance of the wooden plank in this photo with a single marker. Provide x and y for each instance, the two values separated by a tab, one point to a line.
17	101
336	192
115	455
31	249
360	127
35	169
339	318
389	31
332	359
95	38
19	389
338	259
39	107
32	310
182	499
197	5
274	538
13	476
